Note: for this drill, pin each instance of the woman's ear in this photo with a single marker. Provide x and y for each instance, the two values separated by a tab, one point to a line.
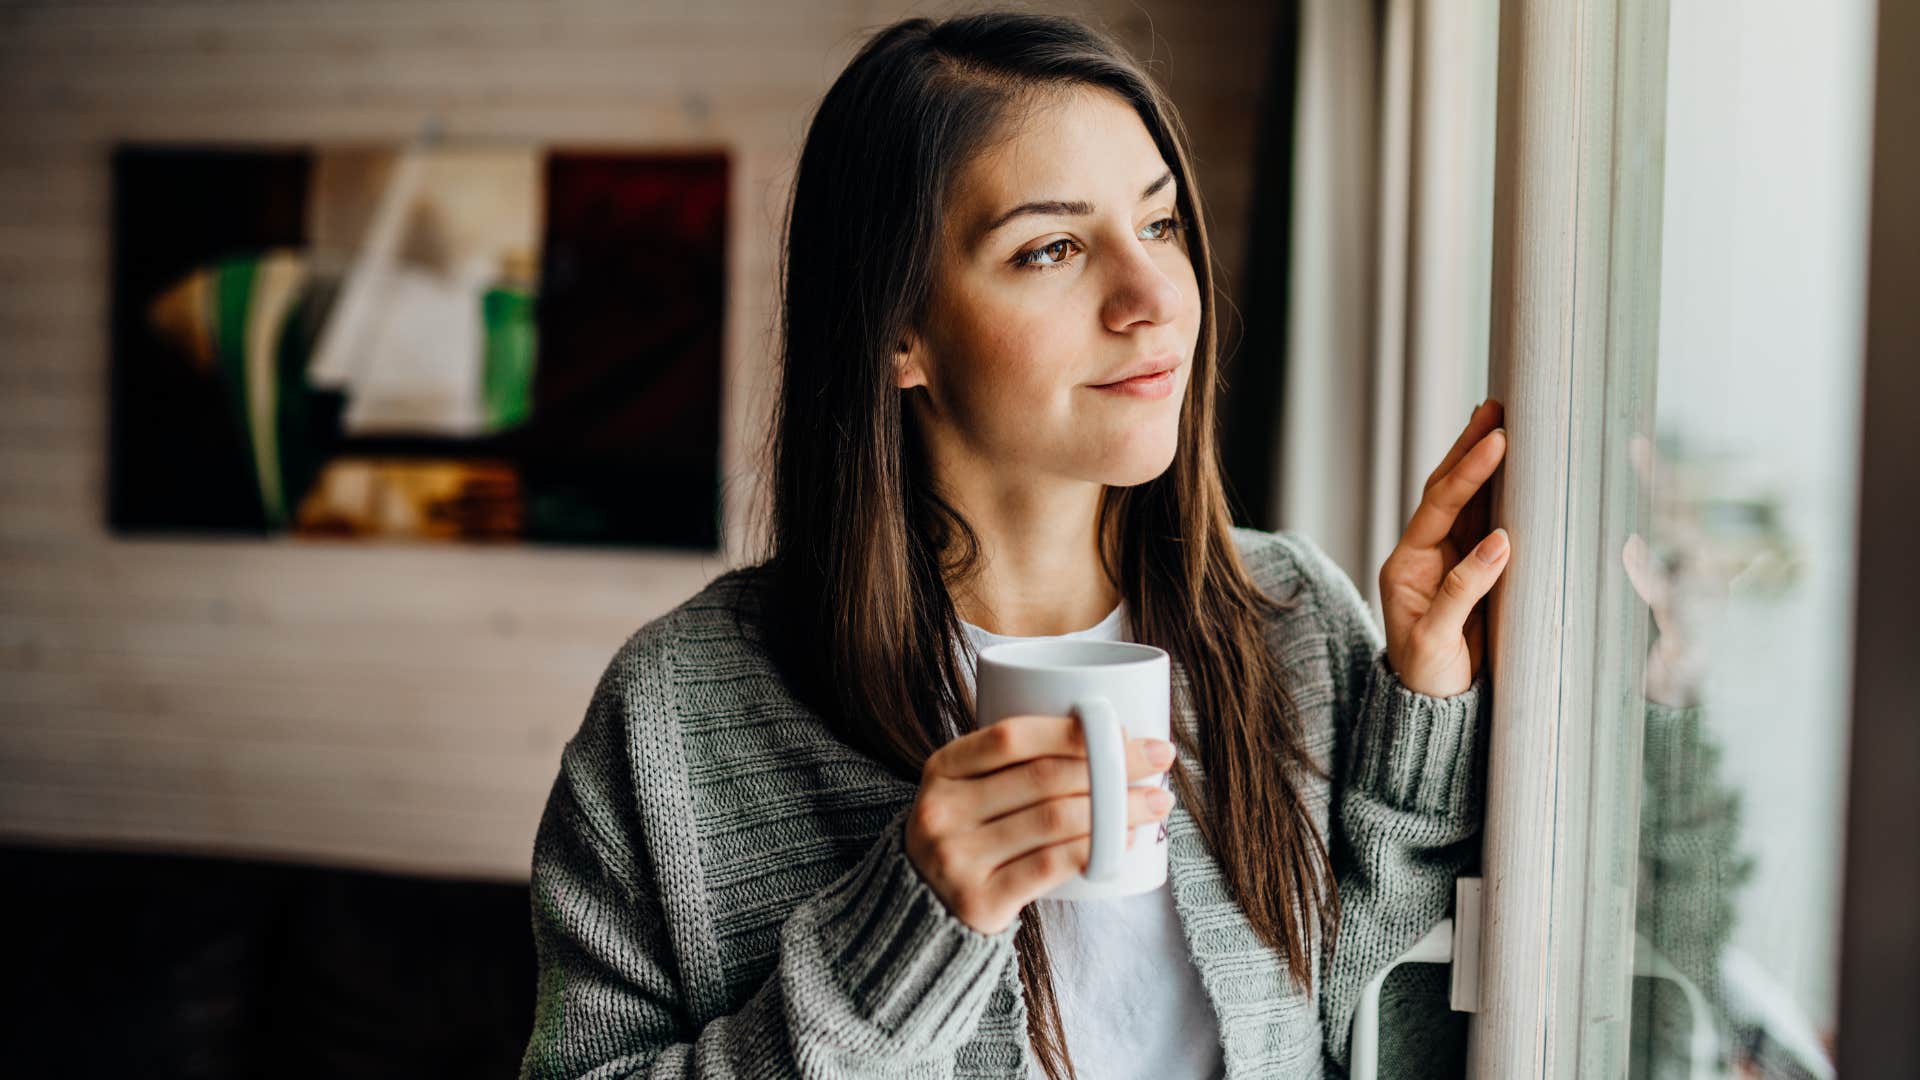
909	365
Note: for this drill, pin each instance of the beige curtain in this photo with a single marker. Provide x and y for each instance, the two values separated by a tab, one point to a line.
1388	281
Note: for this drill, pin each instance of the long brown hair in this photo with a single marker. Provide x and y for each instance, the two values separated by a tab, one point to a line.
862	550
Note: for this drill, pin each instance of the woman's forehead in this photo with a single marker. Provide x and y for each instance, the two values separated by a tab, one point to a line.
1085	152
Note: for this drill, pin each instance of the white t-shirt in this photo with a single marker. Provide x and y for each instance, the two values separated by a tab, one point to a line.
1130	998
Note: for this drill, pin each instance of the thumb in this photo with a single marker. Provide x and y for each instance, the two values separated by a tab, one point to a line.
1470	579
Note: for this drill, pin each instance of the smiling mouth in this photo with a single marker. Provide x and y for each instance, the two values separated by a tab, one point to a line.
1149	377
1171	361
1137	380
1157	385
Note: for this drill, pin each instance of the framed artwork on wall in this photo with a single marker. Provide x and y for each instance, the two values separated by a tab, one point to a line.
472	341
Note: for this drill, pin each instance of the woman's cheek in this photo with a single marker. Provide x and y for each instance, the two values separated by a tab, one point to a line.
1013	370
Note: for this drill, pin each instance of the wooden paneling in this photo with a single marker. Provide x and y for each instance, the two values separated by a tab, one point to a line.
387	706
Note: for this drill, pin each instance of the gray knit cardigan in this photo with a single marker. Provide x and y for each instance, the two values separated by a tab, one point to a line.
720	888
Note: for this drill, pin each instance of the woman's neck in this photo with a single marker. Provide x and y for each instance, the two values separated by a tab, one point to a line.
1040	571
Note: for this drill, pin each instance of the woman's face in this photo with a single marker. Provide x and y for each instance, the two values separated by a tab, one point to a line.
1036	305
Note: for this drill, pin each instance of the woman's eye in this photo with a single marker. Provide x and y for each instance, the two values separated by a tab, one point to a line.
1032	258
1173	225
1168	230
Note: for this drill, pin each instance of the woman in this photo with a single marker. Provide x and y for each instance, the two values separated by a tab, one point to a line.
778	845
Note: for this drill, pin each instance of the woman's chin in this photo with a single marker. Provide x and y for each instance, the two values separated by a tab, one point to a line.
1135	469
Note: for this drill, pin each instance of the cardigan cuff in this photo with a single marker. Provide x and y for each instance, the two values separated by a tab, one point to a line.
912	969
1682	766
1414	751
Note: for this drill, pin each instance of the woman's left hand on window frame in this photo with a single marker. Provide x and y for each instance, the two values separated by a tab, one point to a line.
1432	583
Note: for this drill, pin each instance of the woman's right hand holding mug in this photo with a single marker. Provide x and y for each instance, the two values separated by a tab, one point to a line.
1005	813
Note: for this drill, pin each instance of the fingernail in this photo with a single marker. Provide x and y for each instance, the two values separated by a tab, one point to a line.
1159	798
1159	751
1494	546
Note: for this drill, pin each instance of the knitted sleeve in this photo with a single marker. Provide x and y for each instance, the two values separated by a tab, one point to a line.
875	978
1691	867
1409	781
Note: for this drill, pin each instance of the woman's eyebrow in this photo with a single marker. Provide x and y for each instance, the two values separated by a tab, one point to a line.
1063	207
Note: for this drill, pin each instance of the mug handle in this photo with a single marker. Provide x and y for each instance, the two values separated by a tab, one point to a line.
1107	769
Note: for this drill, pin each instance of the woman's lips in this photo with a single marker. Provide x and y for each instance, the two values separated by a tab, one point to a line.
1150	387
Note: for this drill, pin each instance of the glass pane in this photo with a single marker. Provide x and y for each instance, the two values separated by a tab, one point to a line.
1745	565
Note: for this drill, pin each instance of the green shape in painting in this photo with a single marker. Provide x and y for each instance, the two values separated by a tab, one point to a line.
512	341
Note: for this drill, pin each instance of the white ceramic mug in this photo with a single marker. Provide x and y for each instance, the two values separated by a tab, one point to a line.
1118	690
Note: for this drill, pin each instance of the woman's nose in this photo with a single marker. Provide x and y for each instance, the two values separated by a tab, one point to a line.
1142	289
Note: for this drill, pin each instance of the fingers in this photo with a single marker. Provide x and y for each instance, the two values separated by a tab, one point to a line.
1486	416
1646	461
1463	587
1441	504
1016	739
1007	742
962	857
1050	777
1650	582
1057	821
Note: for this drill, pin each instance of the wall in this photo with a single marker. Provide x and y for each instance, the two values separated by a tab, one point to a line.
382	706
